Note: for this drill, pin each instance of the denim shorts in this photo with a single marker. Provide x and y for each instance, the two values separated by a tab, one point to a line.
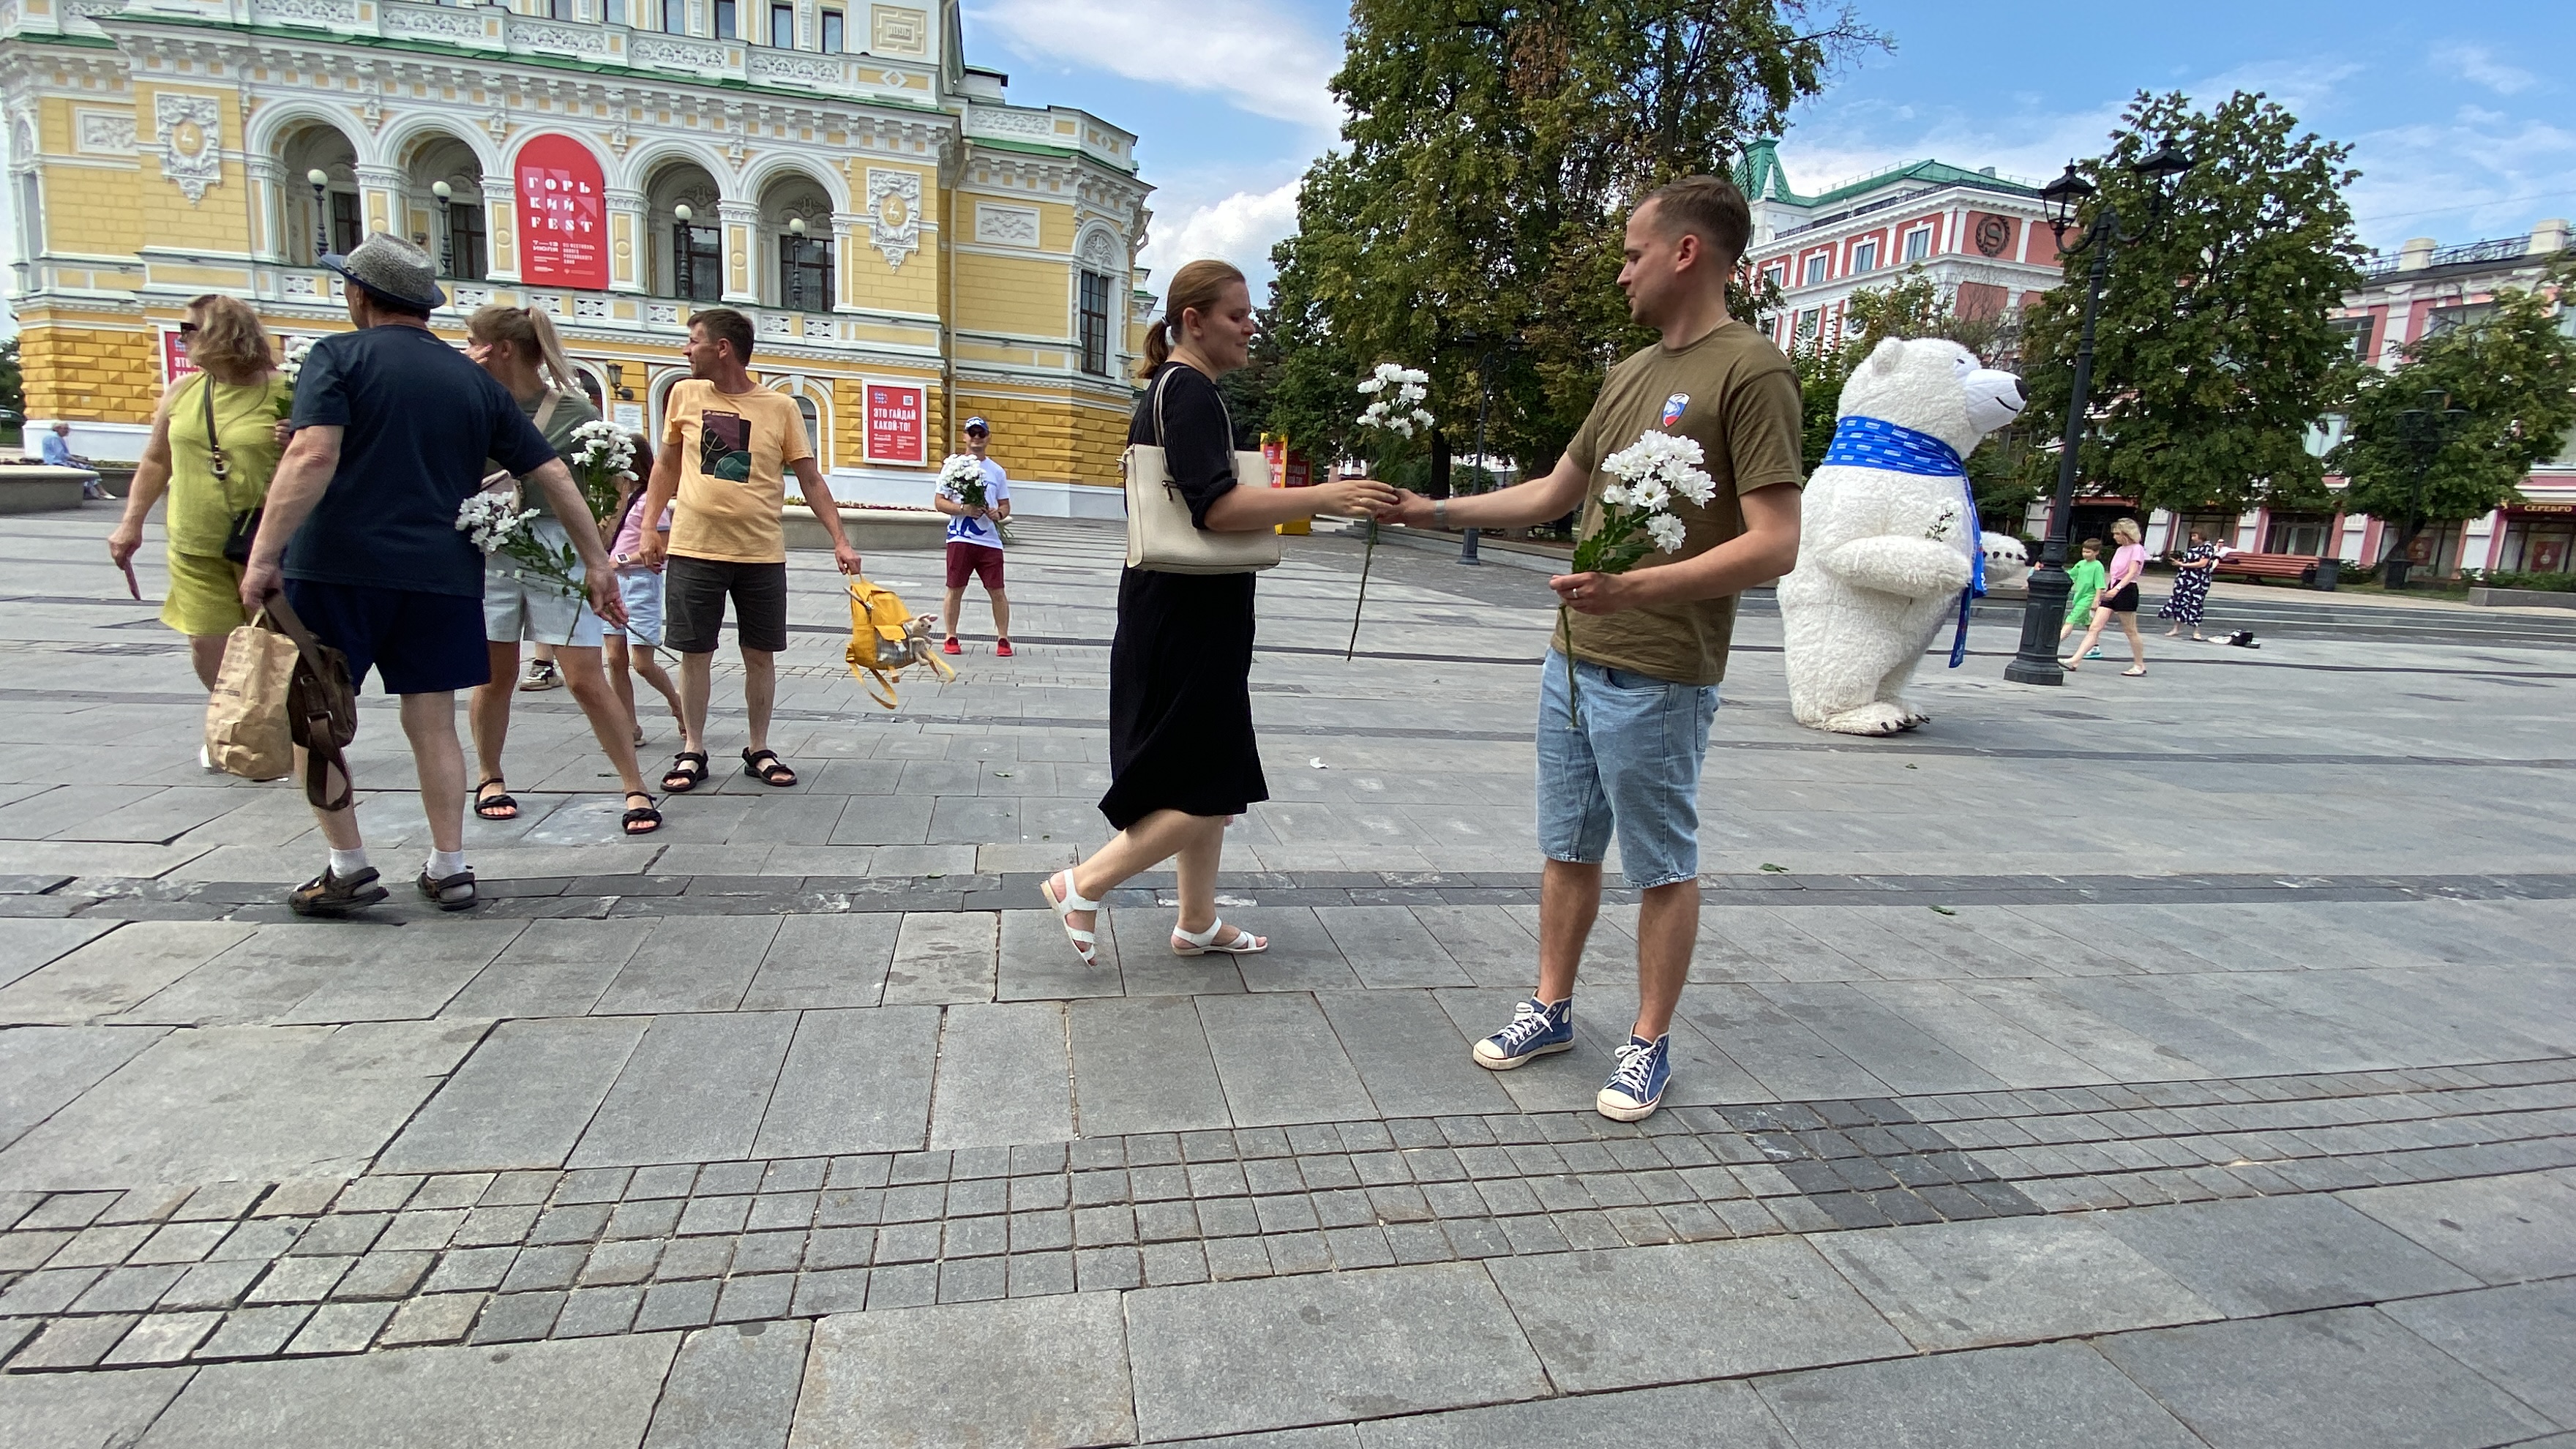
1632	764
641	589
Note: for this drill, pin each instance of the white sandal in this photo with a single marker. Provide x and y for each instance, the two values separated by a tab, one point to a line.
1204	943
1085	943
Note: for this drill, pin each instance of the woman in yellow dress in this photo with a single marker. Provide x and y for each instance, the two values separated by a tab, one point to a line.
214	477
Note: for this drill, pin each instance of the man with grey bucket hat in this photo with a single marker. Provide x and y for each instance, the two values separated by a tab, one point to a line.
393	428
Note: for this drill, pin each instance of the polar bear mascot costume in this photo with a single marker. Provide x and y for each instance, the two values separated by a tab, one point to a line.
1889	545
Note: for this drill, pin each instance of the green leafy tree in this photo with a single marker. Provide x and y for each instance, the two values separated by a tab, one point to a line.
1491	152
2214	353
13	384
2511	371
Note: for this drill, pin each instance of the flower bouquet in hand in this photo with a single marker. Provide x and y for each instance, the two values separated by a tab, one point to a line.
602	456
1395	413
962	477
1636	517
494	522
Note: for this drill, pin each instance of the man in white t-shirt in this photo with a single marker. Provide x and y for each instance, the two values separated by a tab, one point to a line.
975	544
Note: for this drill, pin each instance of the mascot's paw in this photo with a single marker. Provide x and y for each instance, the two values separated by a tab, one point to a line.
1877	718
1910	718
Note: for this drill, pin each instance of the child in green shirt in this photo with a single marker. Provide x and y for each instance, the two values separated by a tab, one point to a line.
2087	577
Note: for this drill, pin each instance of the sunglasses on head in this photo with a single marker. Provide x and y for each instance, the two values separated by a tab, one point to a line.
187	327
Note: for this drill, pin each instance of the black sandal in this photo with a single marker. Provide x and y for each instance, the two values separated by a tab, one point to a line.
688	771
646	815
774	773
449	893
485	805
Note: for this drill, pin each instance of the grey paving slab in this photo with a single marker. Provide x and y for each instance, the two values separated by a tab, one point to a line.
691	963
2008	1280
2253	1256
594	1393
1410	1056
407	984
1387	946
1335	1347
823	961
1049	1373
853	1081
115	972
693	1090
2521	1338
1889	1047
1004	1076
1684	1416
2007	1052
944	958
2502	1229
1280	1061
2118	1052
79	1411
1038	964
733	1386
44	1067
1142	1065
262	1103
28	944
1627	1317
1772	1044
521	1100
553	968
1997	1398
1491	947
2341	1377
2139	1005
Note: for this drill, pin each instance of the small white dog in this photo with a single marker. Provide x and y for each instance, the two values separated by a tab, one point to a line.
1889	537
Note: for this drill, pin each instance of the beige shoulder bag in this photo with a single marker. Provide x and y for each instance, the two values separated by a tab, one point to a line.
1161	538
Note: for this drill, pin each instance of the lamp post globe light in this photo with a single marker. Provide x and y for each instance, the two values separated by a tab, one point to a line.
320	181
686	237
446	228
796	263
2426	430
2045	613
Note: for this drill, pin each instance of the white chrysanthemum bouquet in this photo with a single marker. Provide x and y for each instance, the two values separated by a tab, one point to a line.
962	477
1637	513
1395	411
290	367
494	523
603	455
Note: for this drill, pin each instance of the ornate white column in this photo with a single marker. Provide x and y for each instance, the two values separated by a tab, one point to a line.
845	269
380	202
501	229
267	178
629	242
741	222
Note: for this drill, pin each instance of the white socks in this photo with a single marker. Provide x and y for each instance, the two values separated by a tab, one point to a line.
444	863
346	863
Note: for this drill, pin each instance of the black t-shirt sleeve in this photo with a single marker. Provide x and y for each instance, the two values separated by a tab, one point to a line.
322	387
516	443
1198	447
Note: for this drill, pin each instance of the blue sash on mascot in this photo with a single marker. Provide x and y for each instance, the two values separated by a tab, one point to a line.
1873	443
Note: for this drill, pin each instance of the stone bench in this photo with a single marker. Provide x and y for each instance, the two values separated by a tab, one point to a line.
36	488
869	529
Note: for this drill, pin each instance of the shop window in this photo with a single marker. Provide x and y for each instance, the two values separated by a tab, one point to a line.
835	33
467	246
1865	257
1095	324
782	26
805	274
1918	244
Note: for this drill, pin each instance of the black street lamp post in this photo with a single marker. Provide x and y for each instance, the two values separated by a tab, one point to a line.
2426	431
2045	613
446	195
688	244
1484	401
320	181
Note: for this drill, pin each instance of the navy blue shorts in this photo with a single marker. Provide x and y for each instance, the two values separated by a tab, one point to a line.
417	643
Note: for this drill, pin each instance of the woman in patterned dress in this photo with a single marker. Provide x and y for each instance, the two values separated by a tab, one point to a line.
2190	596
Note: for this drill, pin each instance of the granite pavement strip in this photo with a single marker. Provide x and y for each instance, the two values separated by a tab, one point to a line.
2170	1061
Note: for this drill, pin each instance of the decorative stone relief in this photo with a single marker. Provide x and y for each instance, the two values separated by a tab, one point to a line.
106	133
676	52
895	31
1010	226
440	22
894	213
343	12
563	39
1099	251
22	140
796	66
1021	125
188	130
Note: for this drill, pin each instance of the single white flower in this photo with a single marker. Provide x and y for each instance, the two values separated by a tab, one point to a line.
1374	384
1651	494
1615	495
1667	531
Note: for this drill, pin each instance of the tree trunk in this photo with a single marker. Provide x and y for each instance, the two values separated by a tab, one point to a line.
1439	464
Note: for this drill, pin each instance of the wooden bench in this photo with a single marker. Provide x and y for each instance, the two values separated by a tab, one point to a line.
2297	568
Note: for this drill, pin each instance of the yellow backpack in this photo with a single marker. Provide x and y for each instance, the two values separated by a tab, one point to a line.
886	639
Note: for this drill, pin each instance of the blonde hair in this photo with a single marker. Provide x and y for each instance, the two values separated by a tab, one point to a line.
1195	287
228	336
532	333
2125	529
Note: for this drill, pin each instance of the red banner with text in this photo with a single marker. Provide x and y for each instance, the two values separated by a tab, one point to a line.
563	217
895	424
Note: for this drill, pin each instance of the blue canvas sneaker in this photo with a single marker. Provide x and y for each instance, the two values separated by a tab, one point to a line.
1637	1087
1536	1030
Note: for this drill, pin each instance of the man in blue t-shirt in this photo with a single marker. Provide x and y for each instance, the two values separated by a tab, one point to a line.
975	543
392	427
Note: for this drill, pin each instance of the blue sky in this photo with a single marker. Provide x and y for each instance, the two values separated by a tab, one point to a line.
2461	120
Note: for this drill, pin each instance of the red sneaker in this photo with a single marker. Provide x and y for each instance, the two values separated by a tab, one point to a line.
950	647
1003	648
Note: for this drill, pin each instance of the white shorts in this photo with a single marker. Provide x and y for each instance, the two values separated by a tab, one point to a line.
641	589
520	607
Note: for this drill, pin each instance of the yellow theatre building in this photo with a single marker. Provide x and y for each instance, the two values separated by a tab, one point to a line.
912	247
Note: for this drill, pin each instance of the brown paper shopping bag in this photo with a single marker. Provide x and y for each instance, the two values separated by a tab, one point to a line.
246	730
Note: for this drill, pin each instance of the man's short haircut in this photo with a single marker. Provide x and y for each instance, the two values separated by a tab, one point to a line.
1709	206
396	305
724	324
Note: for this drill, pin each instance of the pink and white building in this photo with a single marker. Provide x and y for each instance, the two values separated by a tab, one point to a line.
1984	240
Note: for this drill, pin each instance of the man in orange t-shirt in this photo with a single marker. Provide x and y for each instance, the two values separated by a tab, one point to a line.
727	445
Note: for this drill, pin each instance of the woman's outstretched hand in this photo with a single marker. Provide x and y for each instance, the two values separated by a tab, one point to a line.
1354	498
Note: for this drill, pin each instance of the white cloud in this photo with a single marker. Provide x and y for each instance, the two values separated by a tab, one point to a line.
2478	66
1240	228
1251	53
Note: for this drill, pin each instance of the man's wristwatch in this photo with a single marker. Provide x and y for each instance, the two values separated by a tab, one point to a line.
1440	512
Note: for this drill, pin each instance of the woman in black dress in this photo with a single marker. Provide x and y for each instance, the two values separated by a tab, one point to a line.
1182	758
2193	569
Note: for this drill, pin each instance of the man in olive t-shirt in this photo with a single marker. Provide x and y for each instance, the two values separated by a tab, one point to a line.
1623	728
